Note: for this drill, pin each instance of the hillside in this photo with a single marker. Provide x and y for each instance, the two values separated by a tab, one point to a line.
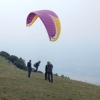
14	85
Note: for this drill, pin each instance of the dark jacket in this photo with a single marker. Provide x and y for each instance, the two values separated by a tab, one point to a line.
29	64
36	64
49	67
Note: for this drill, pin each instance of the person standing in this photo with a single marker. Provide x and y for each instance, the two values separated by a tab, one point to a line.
46	72
29	68
49	71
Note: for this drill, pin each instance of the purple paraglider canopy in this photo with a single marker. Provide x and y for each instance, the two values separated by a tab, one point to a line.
50	21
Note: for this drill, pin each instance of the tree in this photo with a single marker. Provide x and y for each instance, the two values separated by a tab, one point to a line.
13	58
62	75
56	74
20	63
5	55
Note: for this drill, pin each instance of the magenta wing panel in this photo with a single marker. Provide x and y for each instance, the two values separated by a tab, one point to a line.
45	16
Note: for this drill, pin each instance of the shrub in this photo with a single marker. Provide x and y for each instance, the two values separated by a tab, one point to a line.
5	55
20	63
13	58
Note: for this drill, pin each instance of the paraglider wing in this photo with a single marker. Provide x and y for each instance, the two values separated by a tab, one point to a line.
50	20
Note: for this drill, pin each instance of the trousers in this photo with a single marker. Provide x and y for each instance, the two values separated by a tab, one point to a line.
50	76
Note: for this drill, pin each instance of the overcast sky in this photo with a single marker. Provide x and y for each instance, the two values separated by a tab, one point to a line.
75	54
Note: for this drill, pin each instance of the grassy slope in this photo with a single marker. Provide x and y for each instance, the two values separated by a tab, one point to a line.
14	85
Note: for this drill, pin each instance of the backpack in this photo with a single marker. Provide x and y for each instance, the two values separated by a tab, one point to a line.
34	65
49	68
